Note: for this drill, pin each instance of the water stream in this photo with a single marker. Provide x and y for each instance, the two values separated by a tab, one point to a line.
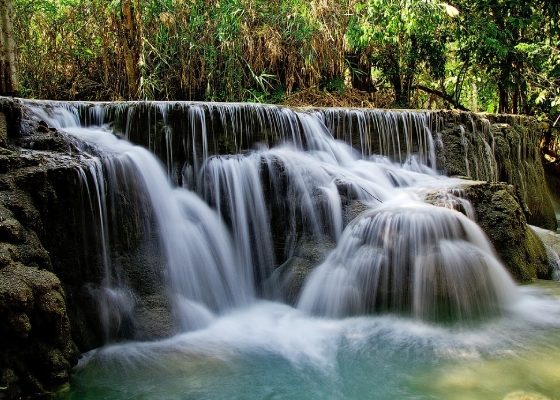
408	300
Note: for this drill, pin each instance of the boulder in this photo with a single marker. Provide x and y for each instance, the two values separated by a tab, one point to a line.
499	214
288	279
36	350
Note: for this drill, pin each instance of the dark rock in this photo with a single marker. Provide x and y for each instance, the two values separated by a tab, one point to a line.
36	350
290	277
498	148
500	216
37	236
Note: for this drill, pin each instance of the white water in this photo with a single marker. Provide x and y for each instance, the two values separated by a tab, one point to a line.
400	257
203	272
270	350
410	256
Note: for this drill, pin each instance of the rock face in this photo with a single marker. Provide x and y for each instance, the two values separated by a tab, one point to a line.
36	346
51	264
498	148
288	279
37	350
500	216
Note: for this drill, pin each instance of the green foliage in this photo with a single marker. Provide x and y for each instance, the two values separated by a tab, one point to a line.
492	35
402	37
200	49
489	55
543	74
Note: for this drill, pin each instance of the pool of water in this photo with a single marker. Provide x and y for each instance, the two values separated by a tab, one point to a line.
272	351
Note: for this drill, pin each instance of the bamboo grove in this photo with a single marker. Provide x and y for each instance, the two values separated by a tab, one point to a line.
487	55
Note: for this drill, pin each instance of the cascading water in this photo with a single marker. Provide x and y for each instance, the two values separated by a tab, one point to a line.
202	268
394	254
410	256
401	255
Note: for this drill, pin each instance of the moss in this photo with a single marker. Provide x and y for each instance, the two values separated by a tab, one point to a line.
11	230
502	219
20	324
52	303
498	149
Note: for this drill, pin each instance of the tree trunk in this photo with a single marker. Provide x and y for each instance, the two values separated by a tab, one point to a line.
448	98
503	96
8	77
361	72
131	47
140	44
401	97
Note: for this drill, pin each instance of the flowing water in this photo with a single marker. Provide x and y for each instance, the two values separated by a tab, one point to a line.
407	301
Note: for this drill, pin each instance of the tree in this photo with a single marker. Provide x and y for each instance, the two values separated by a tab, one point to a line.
402	37
8	77
131	41
489	37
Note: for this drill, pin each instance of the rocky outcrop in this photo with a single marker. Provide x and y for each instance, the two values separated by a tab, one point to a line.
49	260
501	217
51	266
288	279
498	148
499	214
36	351
36	346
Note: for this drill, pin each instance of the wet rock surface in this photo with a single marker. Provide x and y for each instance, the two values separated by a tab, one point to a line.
499	213
51	265
498	148
36	346
290	277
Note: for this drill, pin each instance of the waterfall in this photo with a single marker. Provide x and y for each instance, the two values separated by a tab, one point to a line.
202	270
243	184
409	256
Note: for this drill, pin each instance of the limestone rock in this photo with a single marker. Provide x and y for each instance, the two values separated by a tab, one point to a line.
498	148
292	274
499	214
36	349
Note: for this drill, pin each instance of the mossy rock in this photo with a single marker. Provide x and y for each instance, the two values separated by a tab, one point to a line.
15	293
500	216
498	148
290	277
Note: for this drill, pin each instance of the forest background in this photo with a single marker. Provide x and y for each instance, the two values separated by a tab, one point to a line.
480	55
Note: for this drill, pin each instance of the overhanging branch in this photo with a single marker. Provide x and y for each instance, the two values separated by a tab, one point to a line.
443	95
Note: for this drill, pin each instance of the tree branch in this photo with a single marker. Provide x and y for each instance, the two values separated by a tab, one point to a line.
443	95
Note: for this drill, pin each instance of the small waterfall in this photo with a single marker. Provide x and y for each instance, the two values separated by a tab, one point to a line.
201	266
179	132
253	180
233	184
407	256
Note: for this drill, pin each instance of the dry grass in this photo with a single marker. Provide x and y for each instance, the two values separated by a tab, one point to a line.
314	97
